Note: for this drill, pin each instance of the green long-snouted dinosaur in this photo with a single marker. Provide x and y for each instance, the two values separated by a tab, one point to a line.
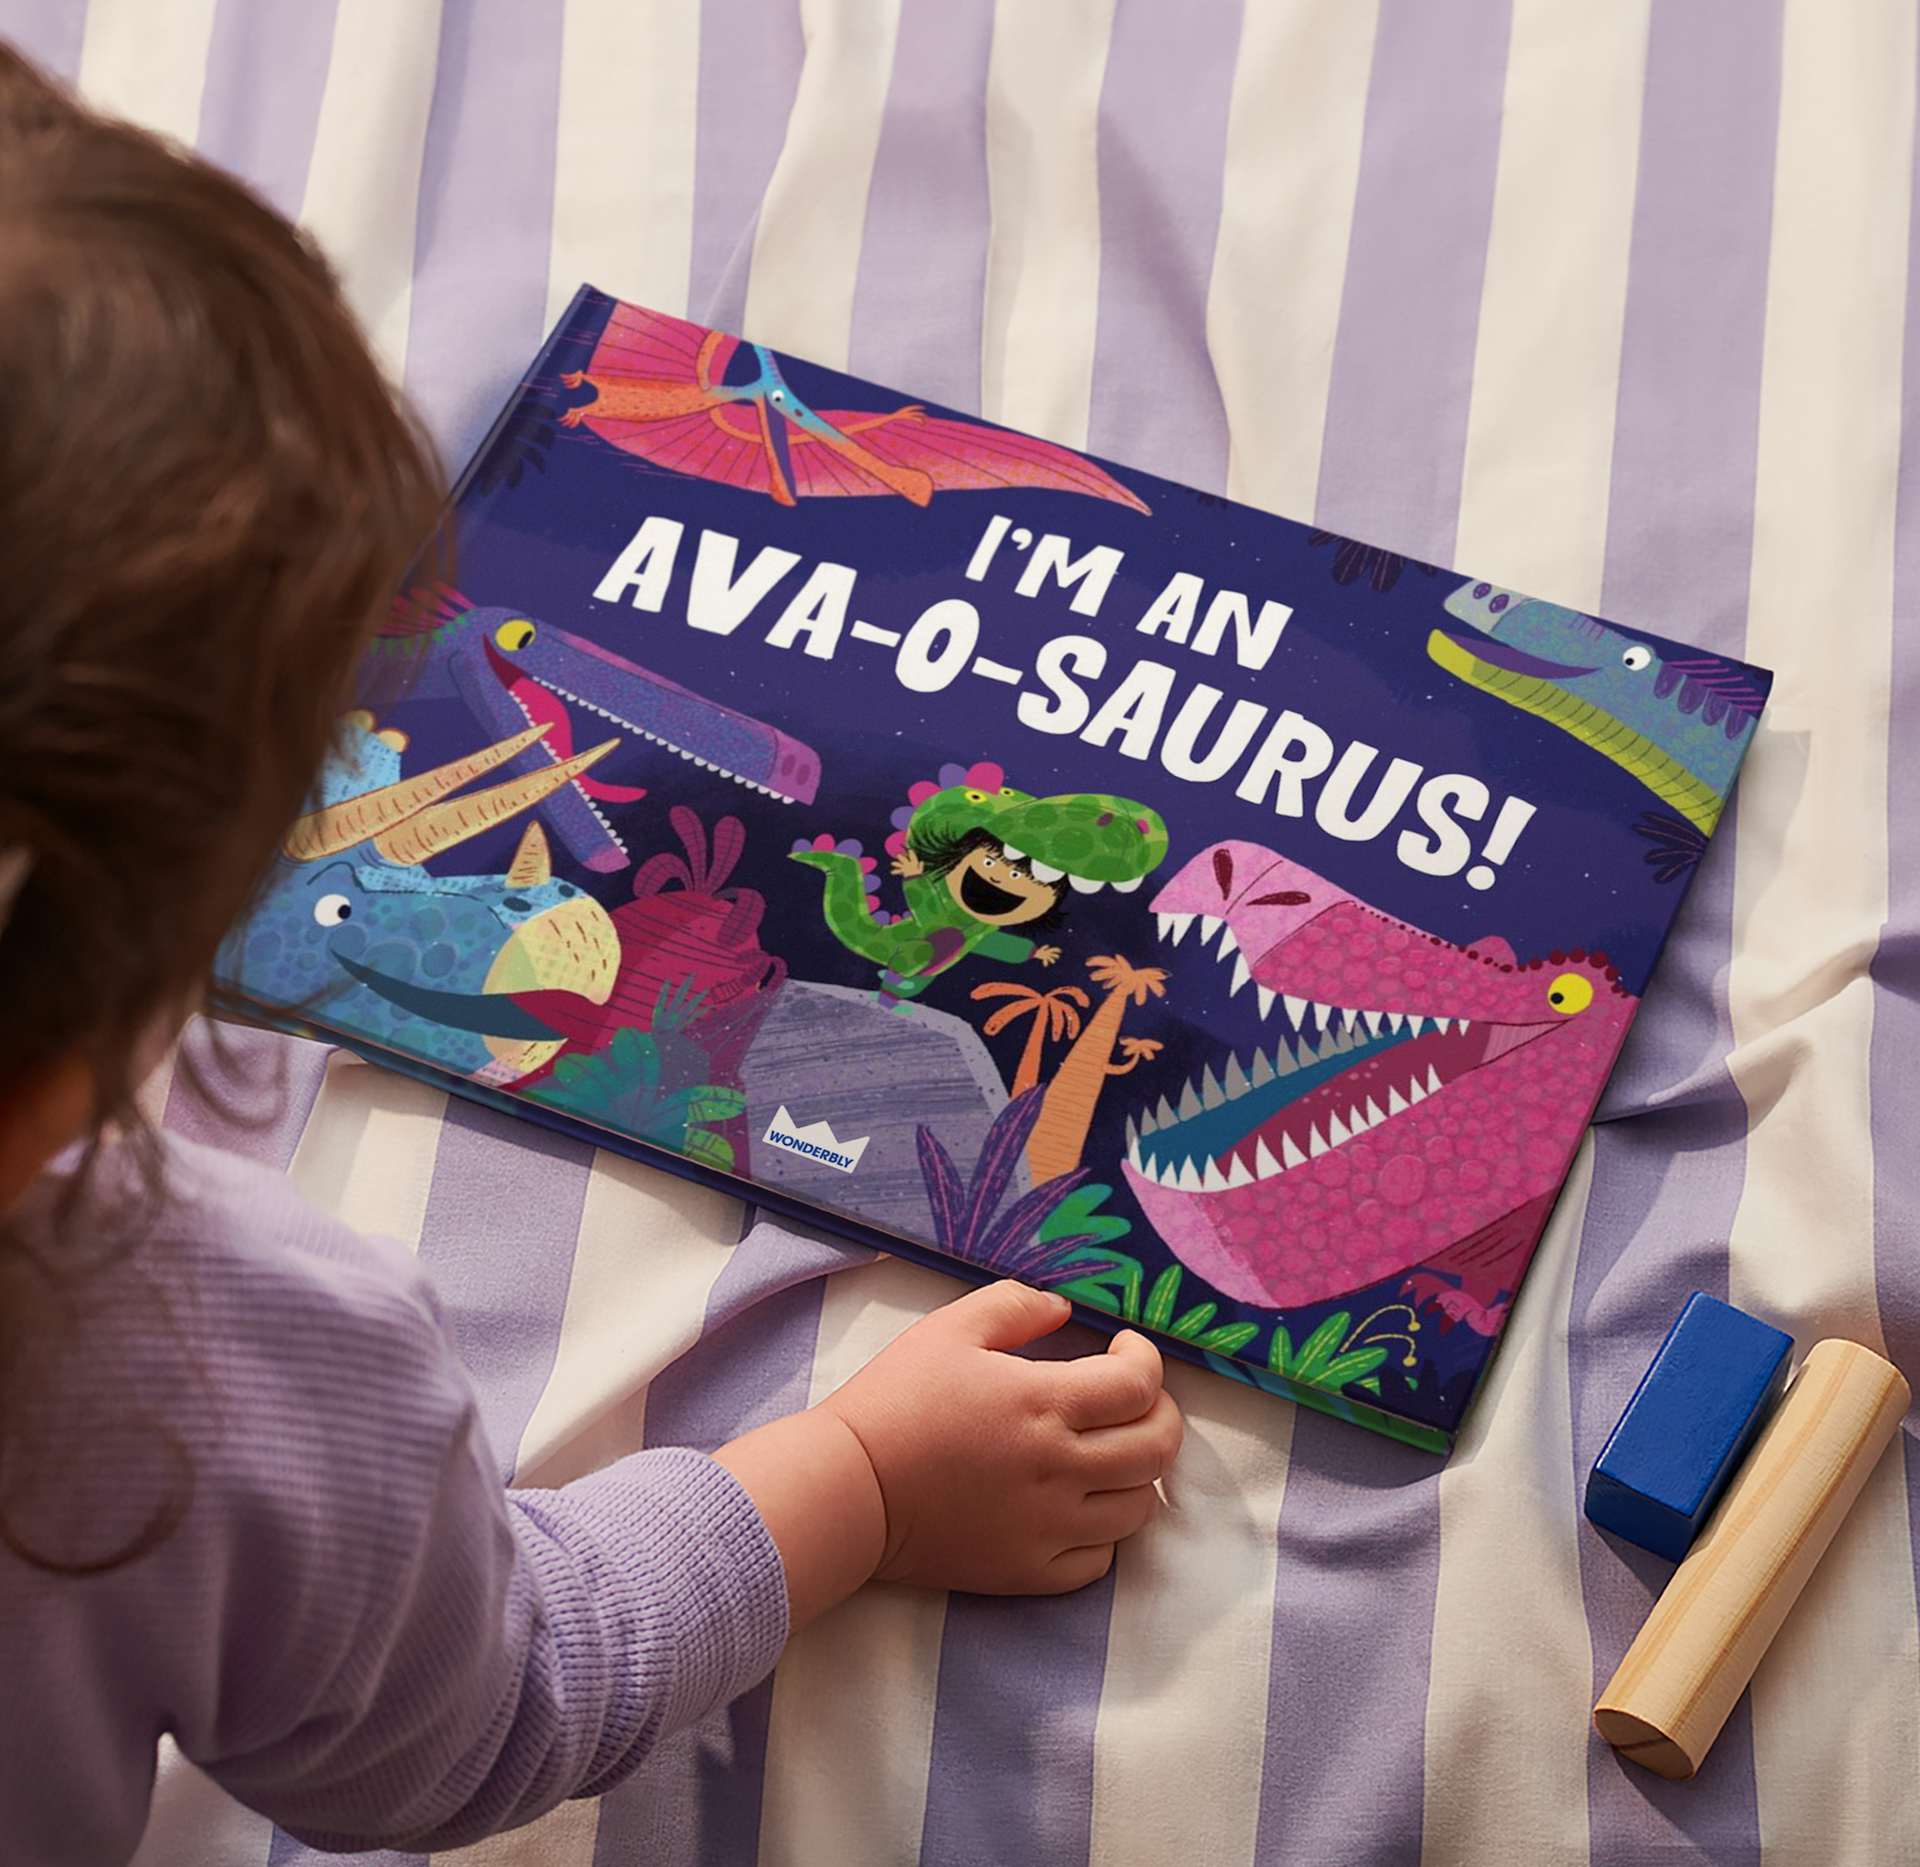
979	864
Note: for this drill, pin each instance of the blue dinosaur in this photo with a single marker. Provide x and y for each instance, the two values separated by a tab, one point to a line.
512	672
351	923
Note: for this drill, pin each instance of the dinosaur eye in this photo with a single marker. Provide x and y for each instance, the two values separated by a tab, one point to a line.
515	635
974	797
1007	790
331	910
1637	657
1571	992
778	397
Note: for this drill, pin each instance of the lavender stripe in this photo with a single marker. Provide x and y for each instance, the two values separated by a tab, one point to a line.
1359	1531
1163	145
750	59
260	1089
1359	1564
921	293
1896	963
264	130
501	1226
1679	554
1011	1774
485	229
1402	375
49	32
697	1798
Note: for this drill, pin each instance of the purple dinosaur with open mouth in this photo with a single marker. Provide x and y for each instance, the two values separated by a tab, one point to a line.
1417	1110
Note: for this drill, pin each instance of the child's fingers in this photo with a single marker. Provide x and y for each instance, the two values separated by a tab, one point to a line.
1117	1457
1113	1516
1075	1568
1004	1315
1110	1389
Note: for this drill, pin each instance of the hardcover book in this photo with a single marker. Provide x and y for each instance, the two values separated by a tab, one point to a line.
1005	858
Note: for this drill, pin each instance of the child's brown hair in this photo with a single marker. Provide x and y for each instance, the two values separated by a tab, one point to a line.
207	495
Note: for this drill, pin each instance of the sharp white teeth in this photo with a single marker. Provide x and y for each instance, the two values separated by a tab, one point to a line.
1213	1180
1395	1019
1415	1093
1316	1144
1014	855
1133	1137
1443	1025
1085	885
1045	871
1147	1124
1236	1078
1356	1121
1209	926
1211	1094
1290	1151
1283	1059
1262	1069
1264	1164
1229	943
1237	1174
1296	1008
1331	1045
1416	1023
1373	1021
1396	1102
1433	1080
1160	924
1133	1153
1465	1027
1189	1181
1189	1103
1126	888
1375	1113
1322	1016
1240	973
1165	1112
1179	923
1338	1132
1266	1001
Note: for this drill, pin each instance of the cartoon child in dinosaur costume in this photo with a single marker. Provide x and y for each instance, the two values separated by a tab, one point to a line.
979	860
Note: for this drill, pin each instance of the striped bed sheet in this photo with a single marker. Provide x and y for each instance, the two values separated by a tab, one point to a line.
1612	303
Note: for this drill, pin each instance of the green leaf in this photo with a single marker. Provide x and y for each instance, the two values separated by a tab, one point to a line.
1160	1299
1230	1337
1346	1368
1280	1350
1371	1384
714	1150
1125	1277
1188	1326
1094	1295
714	1102
1321	1346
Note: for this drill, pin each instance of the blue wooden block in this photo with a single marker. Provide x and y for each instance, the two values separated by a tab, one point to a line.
1688	1426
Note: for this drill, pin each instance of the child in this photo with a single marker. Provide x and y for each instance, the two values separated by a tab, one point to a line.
244	1496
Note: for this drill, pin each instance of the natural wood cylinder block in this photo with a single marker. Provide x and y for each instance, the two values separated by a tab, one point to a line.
1708	1631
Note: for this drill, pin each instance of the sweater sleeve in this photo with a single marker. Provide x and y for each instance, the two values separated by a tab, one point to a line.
409	1653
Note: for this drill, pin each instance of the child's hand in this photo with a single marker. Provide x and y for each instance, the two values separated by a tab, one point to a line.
948	1461
1000	1475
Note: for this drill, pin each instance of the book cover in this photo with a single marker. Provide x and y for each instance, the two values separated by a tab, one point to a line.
1006	858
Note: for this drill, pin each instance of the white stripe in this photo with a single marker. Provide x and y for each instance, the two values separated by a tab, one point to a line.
637	1223
363	186
806	248
148	62
1181	1731
565	1838
1509	1584
1279	265
1533	507
192	1819
623	163
367	1152
1043	180
855	1691
1836	1723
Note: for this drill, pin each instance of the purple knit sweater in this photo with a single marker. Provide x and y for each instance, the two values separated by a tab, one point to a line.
354	1628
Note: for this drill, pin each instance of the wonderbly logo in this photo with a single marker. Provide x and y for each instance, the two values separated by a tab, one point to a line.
816	1141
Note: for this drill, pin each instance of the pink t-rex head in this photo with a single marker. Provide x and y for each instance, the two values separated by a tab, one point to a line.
1408	1094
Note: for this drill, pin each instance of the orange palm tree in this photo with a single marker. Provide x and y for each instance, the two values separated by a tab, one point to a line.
1053	1014
1066	1113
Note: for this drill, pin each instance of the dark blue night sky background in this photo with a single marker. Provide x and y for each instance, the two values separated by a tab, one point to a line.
1353	659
